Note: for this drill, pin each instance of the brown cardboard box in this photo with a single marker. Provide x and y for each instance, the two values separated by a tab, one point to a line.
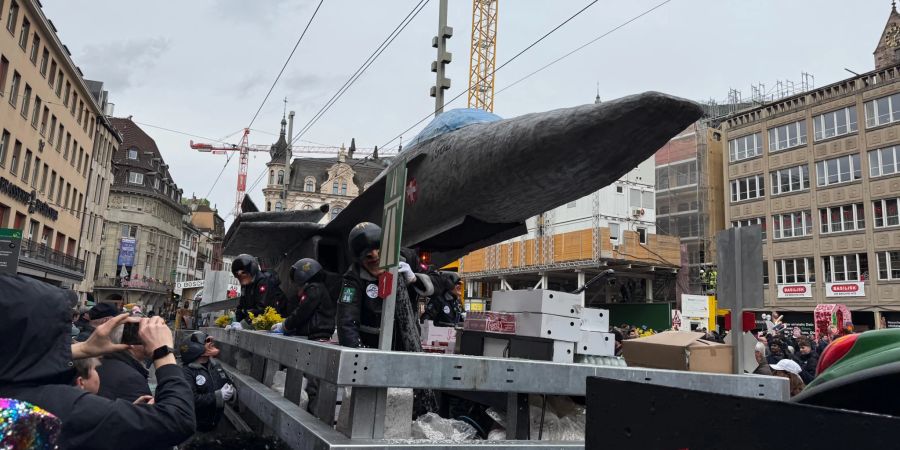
678	350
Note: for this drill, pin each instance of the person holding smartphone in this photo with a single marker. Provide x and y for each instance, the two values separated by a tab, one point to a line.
124	374
38	368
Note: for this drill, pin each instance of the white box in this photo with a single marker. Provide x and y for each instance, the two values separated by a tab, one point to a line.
563	352
594	319
596	343
432	334
548	326
536	301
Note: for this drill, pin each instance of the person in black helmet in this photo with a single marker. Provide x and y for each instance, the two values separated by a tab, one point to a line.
259	289
210	384
312	314
444	307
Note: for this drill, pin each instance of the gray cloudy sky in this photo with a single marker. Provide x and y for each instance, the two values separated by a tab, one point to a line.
203	66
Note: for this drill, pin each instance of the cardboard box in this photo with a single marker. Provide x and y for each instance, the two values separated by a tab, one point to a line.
678	350
596	343
433	335
494	322
563	352
536	301
594	319
548	326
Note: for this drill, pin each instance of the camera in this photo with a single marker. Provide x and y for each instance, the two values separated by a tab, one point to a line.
127	334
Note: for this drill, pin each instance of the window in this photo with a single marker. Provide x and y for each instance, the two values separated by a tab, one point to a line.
44	121
791	179
334	188
748	222
335	211
744	147
155	183
37	172
12	17
59	82
4	147
14	88
4	71
343	188
80	111
52	128
35	47
836	219
642	235
74	103
271	177
882	111
279	206
52	184
52	78
59	190
885	213
309	185
68	91
280	177
45	59
59	137
614	232
884	161
790	271
747	188
846	267
35	115
132	153
129	230
135	178
765	272
794	224
888	265
26	168
44	178
68	143
838	170
26	101
620	189
24	32
14	162
787	136
835	123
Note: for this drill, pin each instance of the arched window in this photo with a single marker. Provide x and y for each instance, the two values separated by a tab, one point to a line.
271	177
268	206
335	211
279	207
343	188
309	184
307	207
280	177
334	188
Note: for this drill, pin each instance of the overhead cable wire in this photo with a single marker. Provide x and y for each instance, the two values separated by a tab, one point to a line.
516	56
363	67
577	49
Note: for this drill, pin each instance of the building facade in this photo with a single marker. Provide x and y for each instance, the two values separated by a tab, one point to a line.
144	227
187	252
106	143
313	182
818	172
211	234
48	119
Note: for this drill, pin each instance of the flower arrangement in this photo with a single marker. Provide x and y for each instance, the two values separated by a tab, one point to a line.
223	321
265	320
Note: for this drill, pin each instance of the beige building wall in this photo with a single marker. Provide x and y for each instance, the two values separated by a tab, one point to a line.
875	291
47	125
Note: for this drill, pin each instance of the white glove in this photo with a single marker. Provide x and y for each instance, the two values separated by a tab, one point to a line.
278	327
407	272
236	326
227	392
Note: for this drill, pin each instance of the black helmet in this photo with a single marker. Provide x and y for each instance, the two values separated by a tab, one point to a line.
364	237
193	347
247	263
304	269
451	277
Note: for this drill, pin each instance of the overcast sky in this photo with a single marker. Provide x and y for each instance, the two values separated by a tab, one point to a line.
204	66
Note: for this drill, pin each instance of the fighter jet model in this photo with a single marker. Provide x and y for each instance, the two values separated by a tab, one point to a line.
476	178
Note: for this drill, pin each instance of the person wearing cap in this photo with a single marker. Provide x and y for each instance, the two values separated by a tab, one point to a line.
211	385
787	368
259	289
312	313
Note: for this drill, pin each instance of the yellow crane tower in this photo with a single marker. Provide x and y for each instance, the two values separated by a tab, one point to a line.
483	54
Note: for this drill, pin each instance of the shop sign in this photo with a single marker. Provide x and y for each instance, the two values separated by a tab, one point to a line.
845	289
795	291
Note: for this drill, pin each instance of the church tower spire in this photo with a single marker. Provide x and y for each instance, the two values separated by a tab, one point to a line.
887	53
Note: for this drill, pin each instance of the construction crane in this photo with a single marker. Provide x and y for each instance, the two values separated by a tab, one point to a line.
483	54
244	149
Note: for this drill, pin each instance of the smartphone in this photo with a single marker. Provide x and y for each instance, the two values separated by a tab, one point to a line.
130	334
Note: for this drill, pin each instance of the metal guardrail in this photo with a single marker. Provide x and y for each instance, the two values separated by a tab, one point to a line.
370	372
42	252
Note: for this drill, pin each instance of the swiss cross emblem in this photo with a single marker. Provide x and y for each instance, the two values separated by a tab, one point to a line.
412	191
303	297
262	289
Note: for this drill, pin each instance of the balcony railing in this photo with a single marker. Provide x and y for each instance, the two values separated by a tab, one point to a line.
42	252
136	283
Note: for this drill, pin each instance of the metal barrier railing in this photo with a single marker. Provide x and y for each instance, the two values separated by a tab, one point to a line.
253	358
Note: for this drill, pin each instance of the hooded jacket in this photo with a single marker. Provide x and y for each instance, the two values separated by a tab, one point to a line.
312	314
37	367
122	376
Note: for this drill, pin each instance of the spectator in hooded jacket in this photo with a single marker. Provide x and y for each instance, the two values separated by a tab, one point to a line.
808	359
37	367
